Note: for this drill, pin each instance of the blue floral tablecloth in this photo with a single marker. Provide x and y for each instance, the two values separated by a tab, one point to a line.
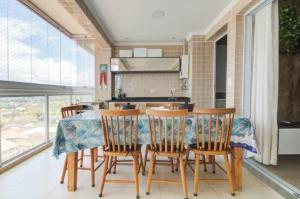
84	131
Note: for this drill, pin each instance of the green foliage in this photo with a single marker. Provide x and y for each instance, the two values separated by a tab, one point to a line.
289	28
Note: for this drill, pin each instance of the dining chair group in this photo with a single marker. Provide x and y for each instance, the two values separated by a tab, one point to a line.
167	130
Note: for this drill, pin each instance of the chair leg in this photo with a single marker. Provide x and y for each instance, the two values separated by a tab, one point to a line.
183	177
141	163
136	175
150	173
229	175
187	158
196	175
213	158
64	171
92	151
177	164
115	165
145	161
172	164
96	154
154	166
204	163
110	163
81	158
106	160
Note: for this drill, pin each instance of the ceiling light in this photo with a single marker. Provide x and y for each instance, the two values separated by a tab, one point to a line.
158	14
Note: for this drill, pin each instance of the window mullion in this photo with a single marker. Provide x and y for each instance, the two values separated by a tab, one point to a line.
47	117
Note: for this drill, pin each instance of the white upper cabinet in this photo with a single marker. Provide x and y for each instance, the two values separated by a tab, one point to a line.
184	72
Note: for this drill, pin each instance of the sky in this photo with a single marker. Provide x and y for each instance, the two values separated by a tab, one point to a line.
32	50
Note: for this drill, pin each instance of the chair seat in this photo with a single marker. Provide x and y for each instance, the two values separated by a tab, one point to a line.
194	147
127	151
175	153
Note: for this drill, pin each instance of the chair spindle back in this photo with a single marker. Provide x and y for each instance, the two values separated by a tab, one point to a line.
222	120
161	140
116	139
69	111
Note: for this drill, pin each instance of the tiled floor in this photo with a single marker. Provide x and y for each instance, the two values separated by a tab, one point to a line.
288	169
38	178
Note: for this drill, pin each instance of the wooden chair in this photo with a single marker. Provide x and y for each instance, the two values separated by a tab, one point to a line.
168	105
118	105
72	110
165	144
120	143
66	112
217	142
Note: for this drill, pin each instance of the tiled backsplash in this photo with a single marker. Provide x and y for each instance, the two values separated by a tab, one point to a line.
149	84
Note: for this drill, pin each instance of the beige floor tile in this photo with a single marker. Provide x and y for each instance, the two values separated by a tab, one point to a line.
38	178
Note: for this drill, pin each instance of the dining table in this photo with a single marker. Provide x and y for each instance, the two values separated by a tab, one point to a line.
84	131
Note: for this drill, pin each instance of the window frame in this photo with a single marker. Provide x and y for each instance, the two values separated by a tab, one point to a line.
17	89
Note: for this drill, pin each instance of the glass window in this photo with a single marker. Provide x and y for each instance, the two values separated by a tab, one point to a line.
22	123
82	98
85	67
81	69
3	41
74	69
39	53
68	60
19	42
55	103
54	55
91	70
34	51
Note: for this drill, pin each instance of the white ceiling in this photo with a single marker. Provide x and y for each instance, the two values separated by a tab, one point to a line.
131	21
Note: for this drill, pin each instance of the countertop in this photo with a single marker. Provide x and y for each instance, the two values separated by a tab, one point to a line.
150	99
288	125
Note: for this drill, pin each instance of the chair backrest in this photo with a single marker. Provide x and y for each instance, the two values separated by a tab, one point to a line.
118	139
217	139
119	105
165	140
160	104
69	111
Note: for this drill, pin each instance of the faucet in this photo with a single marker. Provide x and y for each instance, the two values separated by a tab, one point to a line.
172	92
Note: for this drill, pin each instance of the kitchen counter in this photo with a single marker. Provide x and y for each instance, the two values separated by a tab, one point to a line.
150	99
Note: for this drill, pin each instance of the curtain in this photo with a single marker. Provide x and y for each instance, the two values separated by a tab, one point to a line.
264	90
